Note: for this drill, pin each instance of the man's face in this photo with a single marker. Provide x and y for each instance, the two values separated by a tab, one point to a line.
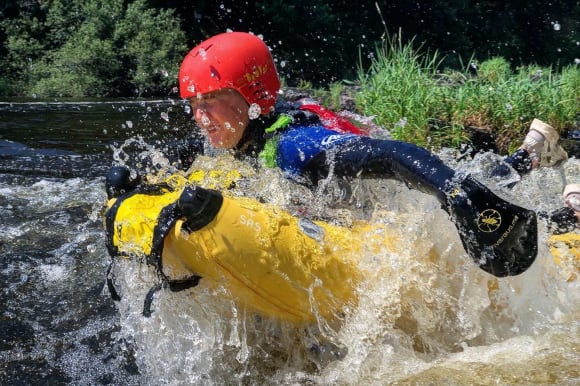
223	115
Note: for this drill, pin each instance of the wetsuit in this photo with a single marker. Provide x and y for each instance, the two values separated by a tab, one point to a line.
500	237
307	151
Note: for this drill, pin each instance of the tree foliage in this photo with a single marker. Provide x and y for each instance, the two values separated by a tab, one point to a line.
133	47
75	48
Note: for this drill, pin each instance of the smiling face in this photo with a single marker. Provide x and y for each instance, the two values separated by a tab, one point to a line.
223	116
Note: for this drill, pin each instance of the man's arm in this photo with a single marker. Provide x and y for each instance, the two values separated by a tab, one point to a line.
379	158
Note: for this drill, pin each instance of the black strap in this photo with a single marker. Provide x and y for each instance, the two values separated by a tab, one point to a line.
111	282
197	205
174	286
167	218
111	213
149	299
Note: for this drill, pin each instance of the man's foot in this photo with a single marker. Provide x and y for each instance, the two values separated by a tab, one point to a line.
571	197
566	219
541	143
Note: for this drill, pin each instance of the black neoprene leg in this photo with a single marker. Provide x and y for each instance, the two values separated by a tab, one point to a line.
520	161
559	221
499	236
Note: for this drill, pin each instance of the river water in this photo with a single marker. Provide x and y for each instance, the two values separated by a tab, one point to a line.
428	317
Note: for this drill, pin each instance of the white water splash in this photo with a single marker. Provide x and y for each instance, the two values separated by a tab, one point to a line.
428	312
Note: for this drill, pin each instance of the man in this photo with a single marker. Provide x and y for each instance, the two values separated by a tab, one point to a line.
232	85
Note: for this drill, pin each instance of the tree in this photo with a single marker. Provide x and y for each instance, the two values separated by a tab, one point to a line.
151	45
93	48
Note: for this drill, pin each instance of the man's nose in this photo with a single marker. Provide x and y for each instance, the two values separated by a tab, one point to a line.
199	112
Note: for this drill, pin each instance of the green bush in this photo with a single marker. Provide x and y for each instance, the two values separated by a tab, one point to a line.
4	87
410	97
494	70
400	90
96	48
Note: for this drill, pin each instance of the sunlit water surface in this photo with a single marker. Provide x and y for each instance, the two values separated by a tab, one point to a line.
426	316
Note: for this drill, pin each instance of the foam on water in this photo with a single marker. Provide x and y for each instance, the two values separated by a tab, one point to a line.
426	315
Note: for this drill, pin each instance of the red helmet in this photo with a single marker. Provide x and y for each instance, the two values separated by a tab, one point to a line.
236	60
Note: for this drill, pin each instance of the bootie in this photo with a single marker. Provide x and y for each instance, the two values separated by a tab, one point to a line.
541	143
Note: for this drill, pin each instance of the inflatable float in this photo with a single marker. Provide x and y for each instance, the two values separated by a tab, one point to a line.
277	264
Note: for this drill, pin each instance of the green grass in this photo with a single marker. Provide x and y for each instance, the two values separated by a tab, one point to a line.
418	102
400	90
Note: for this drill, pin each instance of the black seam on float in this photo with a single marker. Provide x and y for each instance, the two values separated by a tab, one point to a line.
167	217
109	225
110	216
111	283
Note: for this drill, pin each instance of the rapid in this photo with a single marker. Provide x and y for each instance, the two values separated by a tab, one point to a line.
426	315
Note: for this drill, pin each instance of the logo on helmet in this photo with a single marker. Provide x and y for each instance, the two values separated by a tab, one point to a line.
251	77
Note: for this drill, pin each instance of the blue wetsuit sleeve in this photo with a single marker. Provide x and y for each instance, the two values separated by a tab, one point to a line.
299	145
306	154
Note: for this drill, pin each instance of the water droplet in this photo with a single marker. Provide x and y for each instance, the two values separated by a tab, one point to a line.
254	111
557	26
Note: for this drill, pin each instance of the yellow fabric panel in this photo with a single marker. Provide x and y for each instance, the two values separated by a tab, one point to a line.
135	221
566	251
261	254
275	263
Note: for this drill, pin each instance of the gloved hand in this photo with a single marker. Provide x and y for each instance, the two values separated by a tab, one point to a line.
119	181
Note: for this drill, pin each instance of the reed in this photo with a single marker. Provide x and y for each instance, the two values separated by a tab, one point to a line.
410	95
